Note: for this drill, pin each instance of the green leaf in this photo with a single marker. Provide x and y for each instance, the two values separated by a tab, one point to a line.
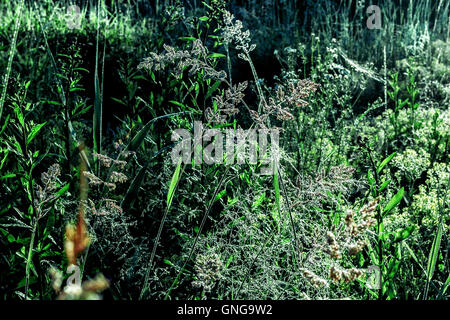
63	189
370	178
277	190
434	252
394	201
118	101
229	260
11	238
98	106
207	5
173	184
413	255
178	104
140	137
259	201
394	264
445	286
220	195
56	103
403	234
34	132
385	162
5	124
2	163
76	89
142	134
19	115
81	69
7	176
216	55
188	38
212	89
384	185
168	262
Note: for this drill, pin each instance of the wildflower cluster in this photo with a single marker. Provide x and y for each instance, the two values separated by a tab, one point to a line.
208	268
114	178
352	240
50	183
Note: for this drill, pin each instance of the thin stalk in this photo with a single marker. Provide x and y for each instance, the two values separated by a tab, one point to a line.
253	262
12	51
258	85
155	245
205	217
61	91
283	187
97	121
29	258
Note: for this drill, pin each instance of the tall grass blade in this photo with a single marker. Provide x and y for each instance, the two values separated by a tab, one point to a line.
98	108
385	162
171	192
434	253
12	51
433	257
444	287
277	190
173	184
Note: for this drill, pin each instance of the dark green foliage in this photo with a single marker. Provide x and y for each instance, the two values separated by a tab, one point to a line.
363	175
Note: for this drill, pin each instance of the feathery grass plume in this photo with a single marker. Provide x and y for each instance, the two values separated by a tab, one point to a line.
347	275
352	240
196	59
77	240
45	192
315	280
227	105
118	177
108	161
356	227
233	33
56	279
93	179
314	189
333	248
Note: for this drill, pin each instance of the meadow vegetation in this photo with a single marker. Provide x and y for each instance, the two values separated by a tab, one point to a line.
88	105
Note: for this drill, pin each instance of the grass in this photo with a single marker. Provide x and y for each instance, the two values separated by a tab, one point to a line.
362	176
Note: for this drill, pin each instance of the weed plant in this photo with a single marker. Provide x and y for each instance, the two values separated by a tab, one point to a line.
361	181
